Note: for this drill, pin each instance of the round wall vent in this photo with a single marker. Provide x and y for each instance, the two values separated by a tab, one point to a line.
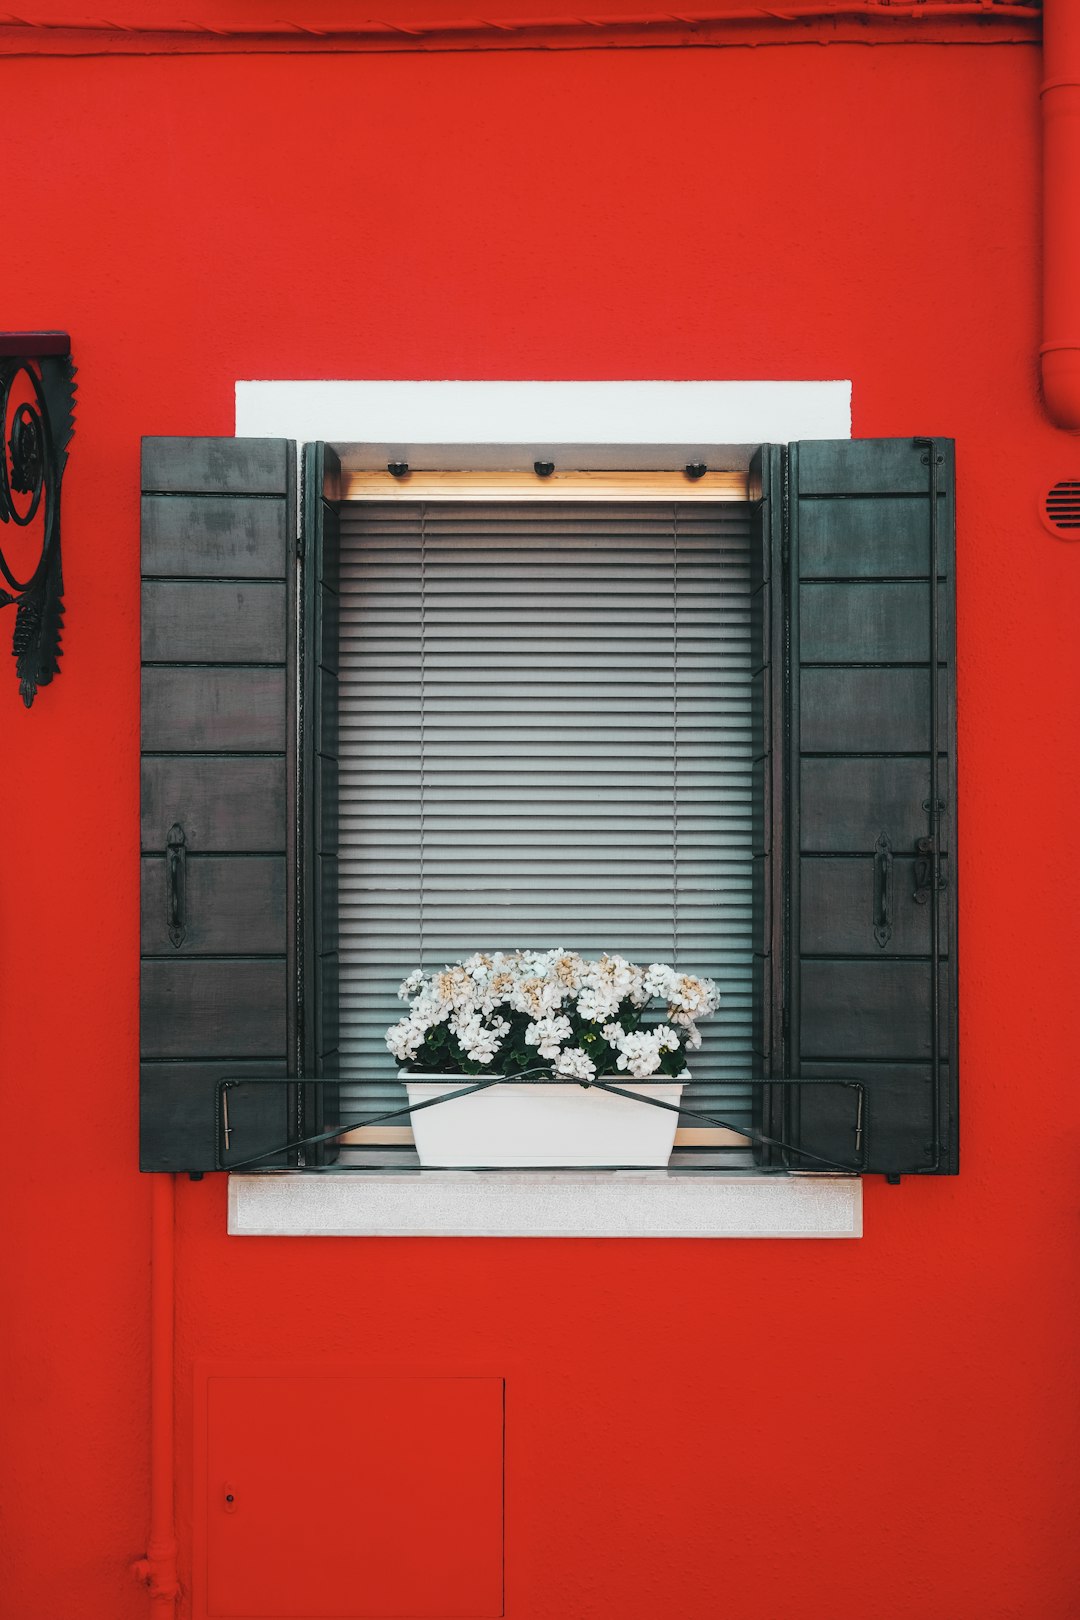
1060	509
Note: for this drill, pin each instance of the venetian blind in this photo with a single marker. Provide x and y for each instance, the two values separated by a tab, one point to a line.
545	741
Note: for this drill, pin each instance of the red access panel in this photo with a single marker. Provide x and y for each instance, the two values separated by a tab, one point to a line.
350	1497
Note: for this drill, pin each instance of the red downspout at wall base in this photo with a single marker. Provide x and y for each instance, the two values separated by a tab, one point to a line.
1060	351
158	1570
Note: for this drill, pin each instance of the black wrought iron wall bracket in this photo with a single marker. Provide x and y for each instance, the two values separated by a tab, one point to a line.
37	403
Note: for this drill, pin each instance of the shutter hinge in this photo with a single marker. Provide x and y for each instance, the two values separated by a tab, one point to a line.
300	546
785	507
924	871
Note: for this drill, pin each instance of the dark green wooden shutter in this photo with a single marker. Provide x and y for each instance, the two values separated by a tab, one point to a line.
870	981
322	620
767	628
218	797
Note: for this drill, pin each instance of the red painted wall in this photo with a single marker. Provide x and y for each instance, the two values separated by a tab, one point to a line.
765	1431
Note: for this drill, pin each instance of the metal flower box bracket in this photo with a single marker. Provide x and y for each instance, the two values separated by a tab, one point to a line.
283	1155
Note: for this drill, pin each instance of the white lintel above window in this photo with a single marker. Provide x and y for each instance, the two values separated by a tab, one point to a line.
490	425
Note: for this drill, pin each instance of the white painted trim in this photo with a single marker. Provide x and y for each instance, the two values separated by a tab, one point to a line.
564	1204
370	423
402	417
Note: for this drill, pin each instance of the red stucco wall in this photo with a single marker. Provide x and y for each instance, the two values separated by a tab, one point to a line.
765	1431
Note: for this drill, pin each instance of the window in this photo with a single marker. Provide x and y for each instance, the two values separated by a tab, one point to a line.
852	927
544	740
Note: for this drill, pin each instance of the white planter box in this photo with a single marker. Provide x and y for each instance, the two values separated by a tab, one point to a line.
531	1126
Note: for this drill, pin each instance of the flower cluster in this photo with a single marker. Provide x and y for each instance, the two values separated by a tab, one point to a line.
553	1010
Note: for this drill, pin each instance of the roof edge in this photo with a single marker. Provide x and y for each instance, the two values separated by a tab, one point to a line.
866	22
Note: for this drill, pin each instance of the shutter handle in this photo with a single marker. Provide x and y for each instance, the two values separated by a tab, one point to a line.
176	883
883	890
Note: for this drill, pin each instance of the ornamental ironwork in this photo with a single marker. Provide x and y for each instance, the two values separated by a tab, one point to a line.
37	402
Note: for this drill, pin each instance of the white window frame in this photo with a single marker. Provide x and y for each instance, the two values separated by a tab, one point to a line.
484	425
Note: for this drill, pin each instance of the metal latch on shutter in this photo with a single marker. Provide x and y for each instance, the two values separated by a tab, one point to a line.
924	871
176	884
883	863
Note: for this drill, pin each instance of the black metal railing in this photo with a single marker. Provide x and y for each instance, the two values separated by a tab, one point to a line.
793	1156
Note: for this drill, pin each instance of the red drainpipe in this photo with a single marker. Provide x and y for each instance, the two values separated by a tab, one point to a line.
158	1570
1060	351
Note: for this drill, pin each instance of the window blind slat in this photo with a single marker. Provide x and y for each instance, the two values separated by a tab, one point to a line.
545	740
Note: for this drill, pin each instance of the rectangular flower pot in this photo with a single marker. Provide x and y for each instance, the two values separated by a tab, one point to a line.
524	1126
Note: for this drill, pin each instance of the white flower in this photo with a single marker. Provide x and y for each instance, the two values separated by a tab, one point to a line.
427	1010
547	1034
456	988
478	967
536	996
669	1040
568	969
404	1039
660	980
684	993
619	978
640	1053
575	1064
540	985
598	1004
480	1042
485	1048
692	1038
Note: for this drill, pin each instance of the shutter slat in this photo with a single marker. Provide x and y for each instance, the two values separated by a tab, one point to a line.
234	906
228	802
234	710
230	1007
193	621
188	538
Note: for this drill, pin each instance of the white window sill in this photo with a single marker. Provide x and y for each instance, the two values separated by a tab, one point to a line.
538	1203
